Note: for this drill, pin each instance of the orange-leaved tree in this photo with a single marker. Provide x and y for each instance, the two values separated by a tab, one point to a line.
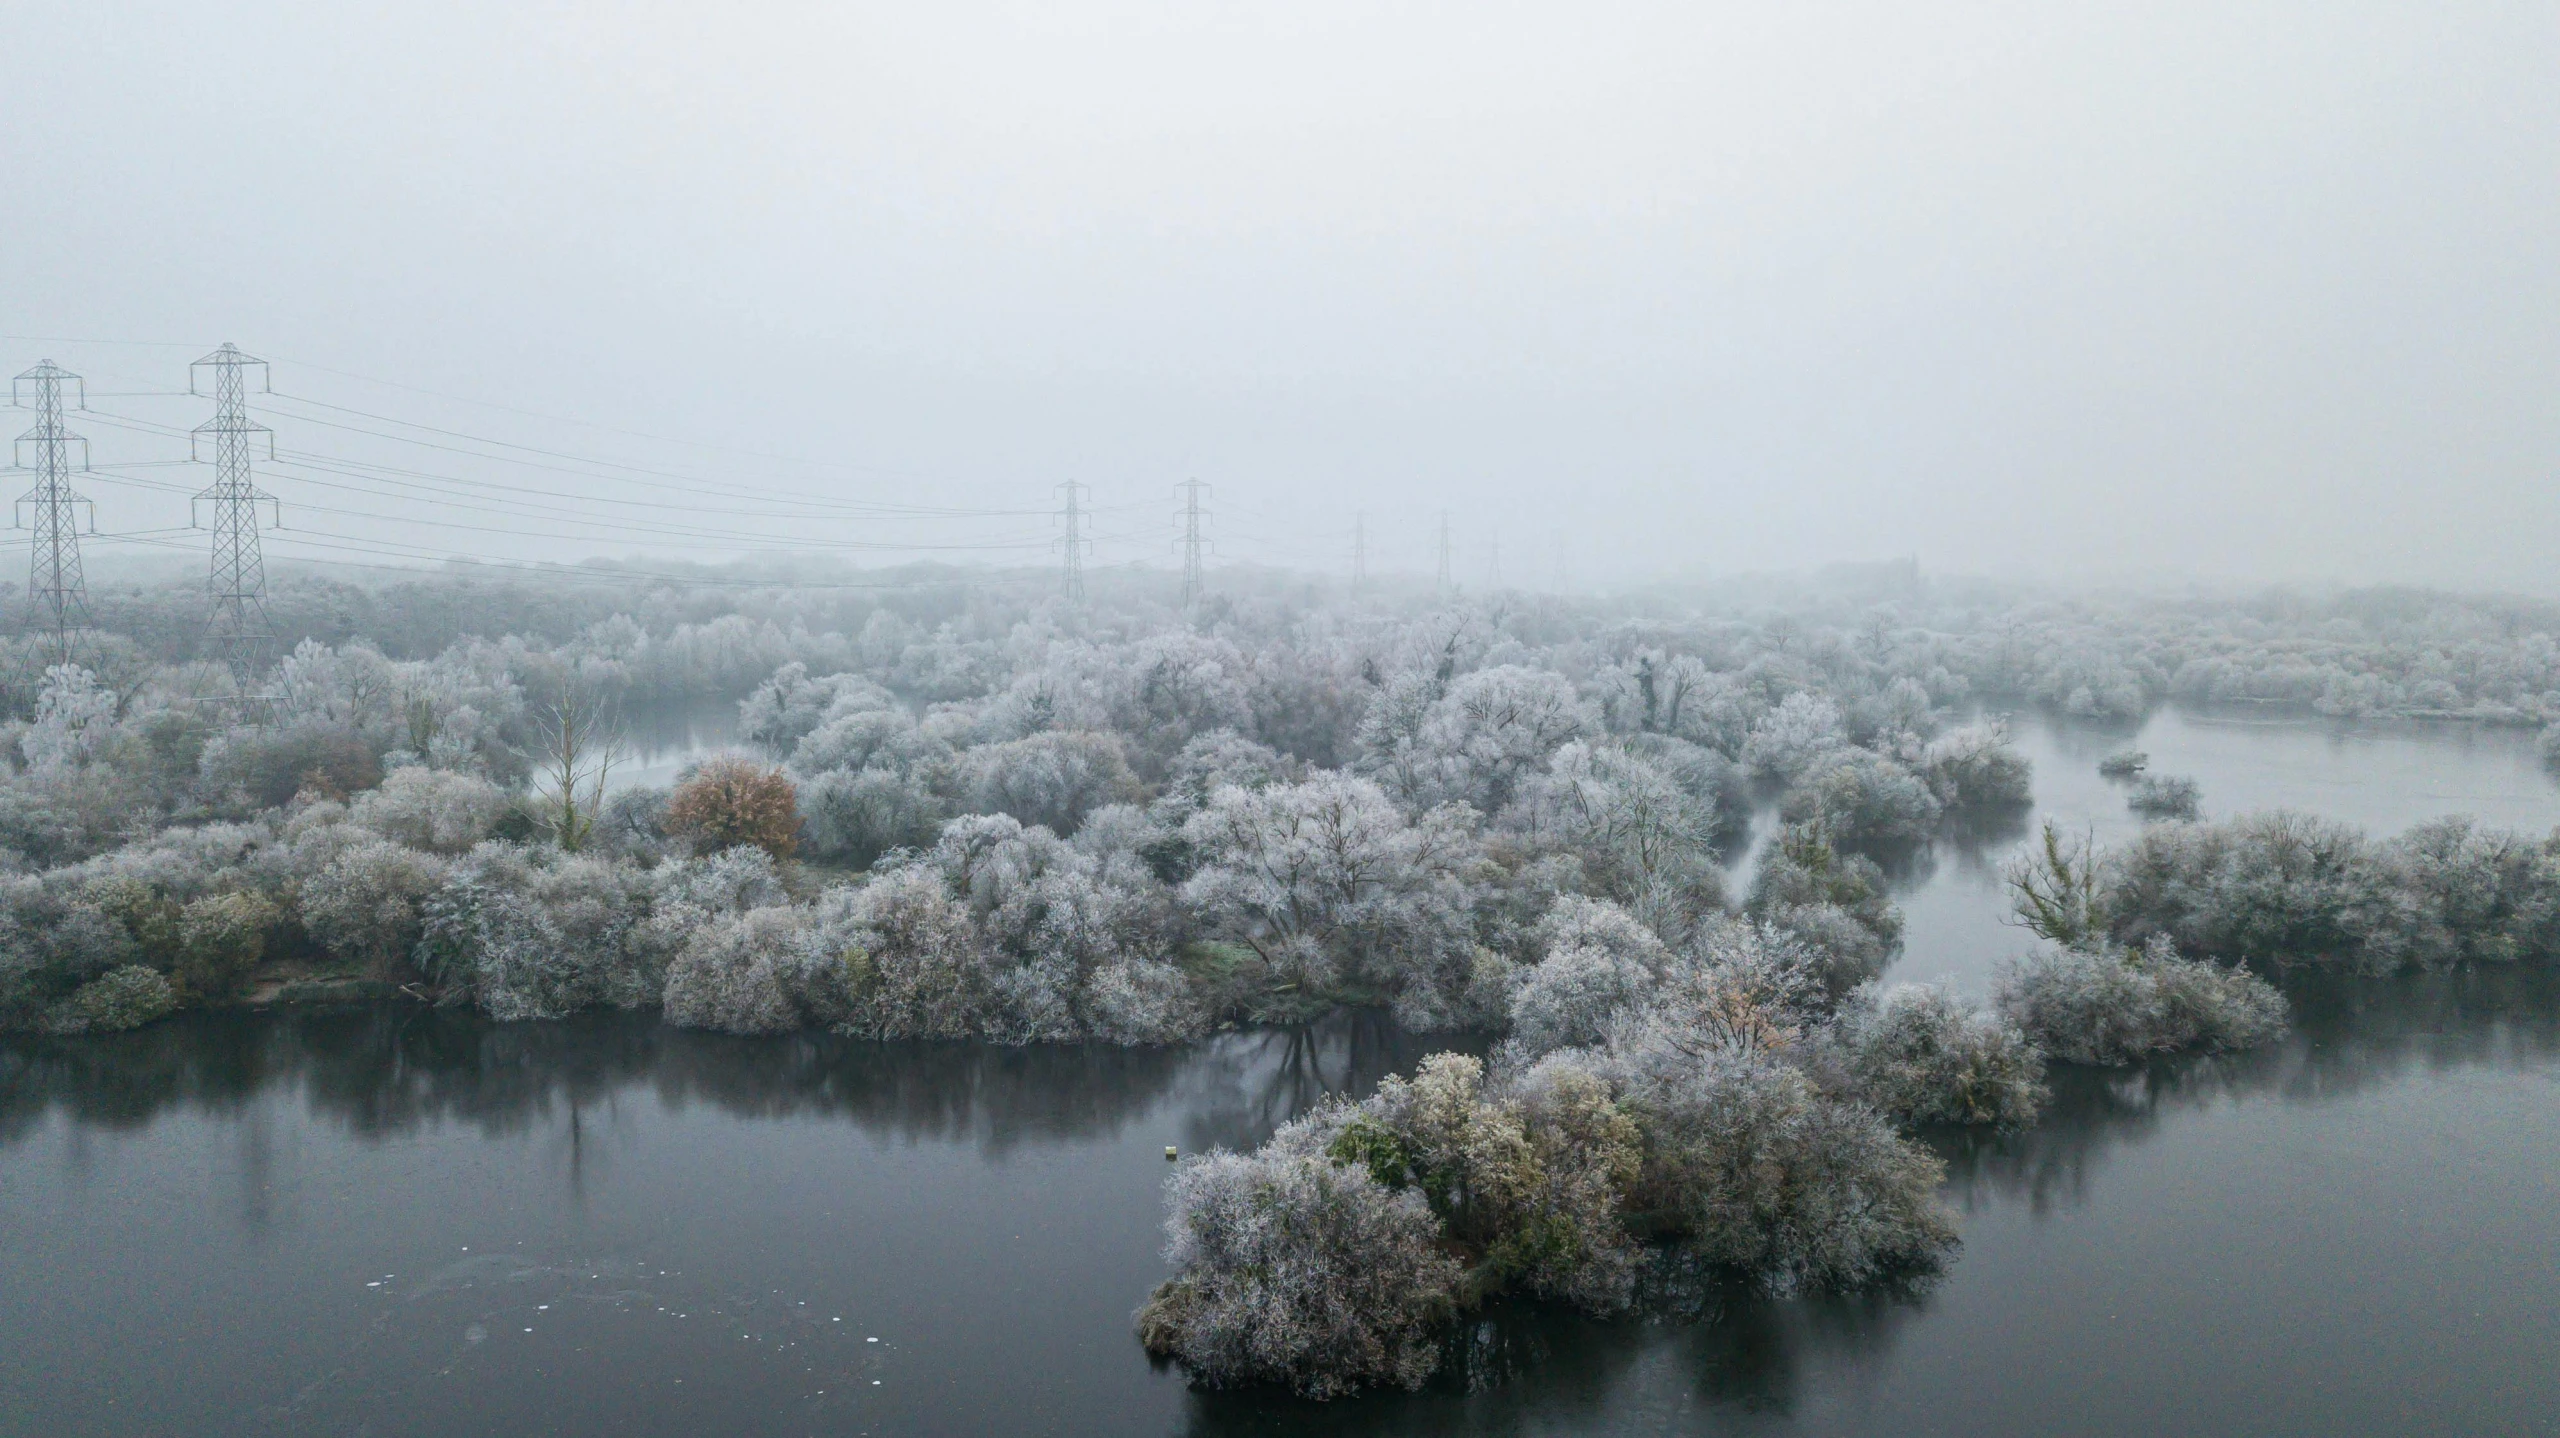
731	801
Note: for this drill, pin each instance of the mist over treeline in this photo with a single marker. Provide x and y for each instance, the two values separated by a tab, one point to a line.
2341	650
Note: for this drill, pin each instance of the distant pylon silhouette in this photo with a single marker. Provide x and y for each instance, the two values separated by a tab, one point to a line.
1192	541
237	631
57	594
1073	541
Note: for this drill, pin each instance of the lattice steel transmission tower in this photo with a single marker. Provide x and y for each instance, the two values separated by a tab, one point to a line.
1445	583
57	594
236	631
1359	551
1192	541
1073	540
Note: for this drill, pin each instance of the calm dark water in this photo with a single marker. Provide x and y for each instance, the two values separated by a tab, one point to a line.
400	1222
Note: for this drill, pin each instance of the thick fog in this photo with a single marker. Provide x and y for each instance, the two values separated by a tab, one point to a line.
2228	290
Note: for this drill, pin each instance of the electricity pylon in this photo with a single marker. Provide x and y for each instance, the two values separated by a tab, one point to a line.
1192	541
237	630
1445	582
1073	540
1359	551
57	593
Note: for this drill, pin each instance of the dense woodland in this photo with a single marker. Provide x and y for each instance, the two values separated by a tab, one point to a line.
961	808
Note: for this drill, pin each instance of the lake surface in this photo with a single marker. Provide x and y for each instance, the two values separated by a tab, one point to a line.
2382	777
403	1222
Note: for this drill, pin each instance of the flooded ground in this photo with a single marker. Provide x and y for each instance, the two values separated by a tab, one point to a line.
403	1222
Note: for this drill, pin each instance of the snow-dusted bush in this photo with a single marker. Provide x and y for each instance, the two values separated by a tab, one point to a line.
1835	904
787	707
1862	799
2276	886
1764	1175
756	973
915	966
531	932
1328	883
1642	825
1141	1001
865	739
2110	1005
1292	1268
1050	779
1921	1057
2163	796
432	809
1571	997
264	768
1974	768
365	904
1785	741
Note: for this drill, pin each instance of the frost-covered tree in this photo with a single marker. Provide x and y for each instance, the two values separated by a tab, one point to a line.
1788	739
1329	883
2106	1004
1920	1056
1291	1268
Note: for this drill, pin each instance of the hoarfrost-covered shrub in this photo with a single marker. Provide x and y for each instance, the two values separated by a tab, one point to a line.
755	973
915	966
1139	1001
789	705
364	904
866	739
1328	883
532	933
1844	952
1570	998
1860	797
1568	1238
1493	728
2109	1005
1922	1057
1641	833
2163	796
1291	1268
730	881
1974	768
2276	886
1050	779
1835	903
1785	741
634	823
120	999
1766	1176
433	809
1212	761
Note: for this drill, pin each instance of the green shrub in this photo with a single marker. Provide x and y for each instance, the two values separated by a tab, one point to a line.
123	999
221	937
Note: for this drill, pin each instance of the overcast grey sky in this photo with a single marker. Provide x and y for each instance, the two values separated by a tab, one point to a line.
2230	290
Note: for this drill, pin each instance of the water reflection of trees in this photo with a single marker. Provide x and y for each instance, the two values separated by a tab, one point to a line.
1523	1368
389	1071
2350	1036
